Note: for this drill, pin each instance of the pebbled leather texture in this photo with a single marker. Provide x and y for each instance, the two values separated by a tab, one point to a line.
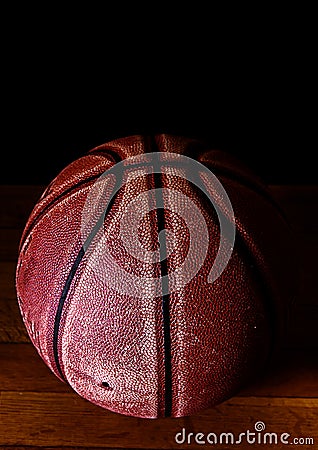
148	356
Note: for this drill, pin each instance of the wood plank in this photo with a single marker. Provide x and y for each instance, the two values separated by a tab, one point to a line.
32	447
9	243
17	202
307	264
7	280
49	414
307	250
42	419
302	331
299	204
293	373
12	328
23	358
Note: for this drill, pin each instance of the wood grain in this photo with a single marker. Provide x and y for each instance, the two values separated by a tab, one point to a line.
7	280
36	375
17	203
9	243
302	331
291	373
12	328
39	411
45	447
298	204
43	418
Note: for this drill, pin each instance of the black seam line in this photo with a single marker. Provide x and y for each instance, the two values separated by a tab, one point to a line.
164	282
53	203
165	299
243	246
72	273
60	308
246	182
66	289
68	191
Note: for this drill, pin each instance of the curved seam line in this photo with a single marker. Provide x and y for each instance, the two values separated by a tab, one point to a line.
69	280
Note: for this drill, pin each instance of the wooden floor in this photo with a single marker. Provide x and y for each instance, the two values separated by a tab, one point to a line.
39	411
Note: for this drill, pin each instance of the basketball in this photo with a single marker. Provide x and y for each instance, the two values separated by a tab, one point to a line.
154	276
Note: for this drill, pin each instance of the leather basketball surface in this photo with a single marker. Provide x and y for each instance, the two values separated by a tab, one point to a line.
153	355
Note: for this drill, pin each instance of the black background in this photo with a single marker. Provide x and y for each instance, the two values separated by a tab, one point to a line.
276	144
251	94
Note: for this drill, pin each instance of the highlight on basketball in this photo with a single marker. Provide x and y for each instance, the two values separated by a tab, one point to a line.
153	276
